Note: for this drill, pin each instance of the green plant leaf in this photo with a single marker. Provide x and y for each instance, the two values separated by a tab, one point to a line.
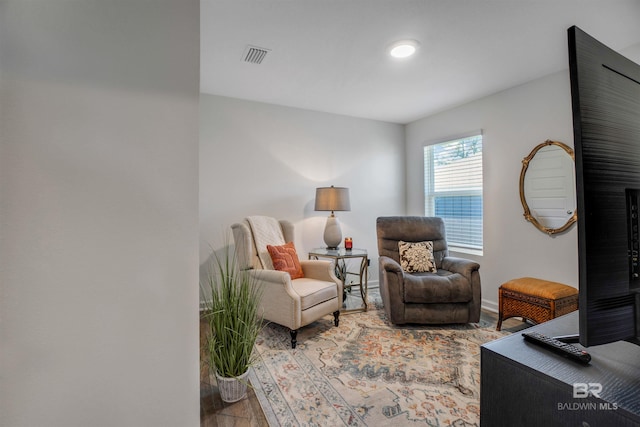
232	313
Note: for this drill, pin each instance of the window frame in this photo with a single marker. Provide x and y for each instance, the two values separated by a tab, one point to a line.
429	193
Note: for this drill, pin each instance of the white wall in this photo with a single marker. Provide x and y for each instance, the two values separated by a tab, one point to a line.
513	123
98	213
261	159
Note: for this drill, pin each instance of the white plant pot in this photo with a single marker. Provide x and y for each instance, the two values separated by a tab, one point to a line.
233	389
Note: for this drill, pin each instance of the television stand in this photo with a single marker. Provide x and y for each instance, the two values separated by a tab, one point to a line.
526	385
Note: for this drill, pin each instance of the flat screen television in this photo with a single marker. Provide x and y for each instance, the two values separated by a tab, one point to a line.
605	94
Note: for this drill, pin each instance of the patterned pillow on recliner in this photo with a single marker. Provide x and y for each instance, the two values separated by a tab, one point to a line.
417	257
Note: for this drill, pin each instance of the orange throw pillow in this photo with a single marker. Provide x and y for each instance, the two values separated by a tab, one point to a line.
285	258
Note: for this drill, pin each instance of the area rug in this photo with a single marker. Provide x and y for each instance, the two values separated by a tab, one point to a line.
367	372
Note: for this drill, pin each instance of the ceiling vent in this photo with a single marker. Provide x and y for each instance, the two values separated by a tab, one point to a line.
255	55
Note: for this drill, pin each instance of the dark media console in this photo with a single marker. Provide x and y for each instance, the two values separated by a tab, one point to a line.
526	385
633	202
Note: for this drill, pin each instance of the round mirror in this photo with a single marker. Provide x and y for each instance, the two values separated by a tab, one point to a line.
547	187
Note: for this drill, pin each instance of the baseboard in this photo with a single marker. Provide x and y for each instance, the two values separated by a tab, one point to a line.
491	306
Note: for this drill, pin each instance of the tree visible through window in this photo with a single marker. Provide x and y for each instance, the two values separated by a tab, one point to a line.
453	190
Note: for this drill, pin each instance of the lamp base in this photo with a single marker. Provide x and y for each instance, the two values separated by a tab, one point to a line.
332	232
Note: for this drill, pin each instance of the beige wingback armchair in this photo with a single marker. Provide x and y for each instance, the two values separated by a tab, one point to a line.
291	303
450	295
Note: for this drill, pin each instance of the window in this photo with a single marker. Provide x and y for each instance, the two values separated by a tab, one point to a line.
453	190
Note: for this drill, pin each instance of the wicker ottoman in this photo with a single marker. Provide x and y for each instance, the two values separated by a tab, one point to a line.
536	300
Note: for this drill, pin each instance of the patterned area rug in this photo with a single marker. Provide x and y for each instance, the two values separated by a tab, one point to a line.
367	372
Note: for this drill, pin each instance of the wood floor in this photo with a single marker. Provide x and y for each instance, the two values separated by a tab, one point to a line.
247	412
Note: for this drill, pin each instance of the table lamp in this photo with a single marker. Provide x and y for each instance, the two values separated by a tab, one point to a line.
332	199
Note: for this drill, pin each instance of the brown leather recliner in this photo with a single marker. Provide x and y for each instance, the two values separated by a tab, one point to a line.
451	295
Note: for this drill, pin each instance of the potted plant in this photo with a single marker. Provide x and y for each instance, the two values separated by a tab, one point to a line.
234	322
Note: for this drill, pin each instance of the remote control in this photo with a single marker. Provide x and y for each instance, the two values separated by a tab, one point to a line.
557	346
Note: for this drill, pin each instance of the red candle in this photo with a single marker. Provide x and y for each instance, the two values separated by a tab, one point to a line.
348	243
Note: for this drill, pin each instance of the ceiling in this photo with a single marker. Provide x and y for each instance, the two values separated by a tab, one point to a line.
331	55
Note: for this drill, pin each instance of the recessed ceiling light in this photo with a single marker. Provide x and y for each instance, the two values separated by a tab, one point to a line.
403	48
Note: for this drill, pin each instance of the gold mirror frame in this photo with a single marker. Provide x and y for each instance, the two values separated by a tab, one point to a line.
527	211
